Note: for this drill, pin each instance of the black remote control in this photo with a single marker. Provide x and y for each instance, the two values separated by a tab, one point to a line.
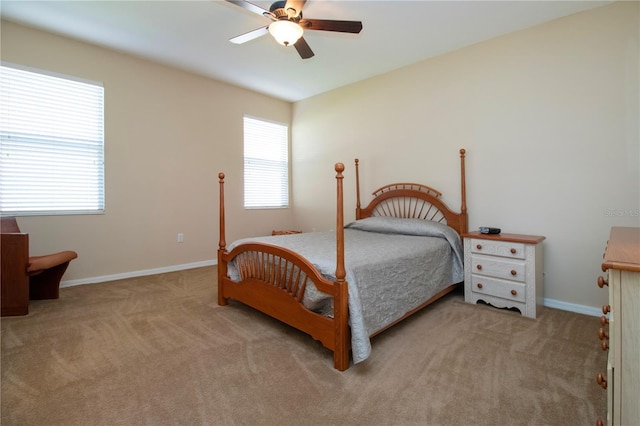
489	230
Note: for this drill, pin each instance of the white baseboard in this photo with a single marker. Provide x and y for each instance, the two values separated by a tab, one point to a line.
572	307
134	274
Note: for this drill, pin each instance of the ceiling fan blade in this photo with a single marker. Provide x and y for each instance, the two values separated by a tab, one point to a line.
251	7
243	38
331	25
296	5
303	48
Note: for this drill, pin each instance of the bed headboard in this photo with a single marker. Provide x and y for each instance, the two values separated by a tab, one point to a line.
413	200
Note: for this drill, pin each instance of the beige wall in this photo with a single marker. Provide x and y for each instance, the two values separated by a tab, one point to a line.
549	118
167	135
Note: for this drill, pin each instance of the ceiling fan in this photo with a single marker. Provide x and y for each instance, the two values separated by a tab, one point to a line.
288	25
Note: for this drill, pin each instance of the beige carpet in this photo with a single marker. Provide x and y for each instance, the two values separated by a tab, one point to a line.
160	351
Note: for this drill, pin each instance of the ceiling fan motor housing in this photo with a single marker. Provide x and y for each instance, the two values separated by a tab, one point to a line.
279	14
277	5
278	11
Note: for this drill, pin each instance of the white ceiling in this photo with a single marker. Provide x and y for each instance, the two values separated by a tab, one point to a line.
193	35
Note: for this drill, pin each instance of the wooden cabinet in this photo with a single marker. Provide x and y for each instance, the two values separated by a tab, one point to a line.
14	281
620	327
504	270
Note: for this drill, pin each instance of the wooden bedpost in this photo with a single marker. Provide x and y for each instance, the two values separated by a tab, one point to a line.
463	208
340	270
357	190
222	245
341	297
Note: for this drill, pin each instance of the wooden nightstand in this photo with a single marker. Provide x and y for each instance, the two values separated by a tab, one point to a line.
504	270
285	232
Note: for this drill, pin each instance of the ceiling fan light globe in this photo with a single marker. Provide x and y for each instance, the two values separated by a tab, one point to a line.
285	32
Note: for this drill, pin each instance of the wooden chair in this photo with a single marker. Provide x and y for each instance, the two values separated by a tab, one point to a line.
23	277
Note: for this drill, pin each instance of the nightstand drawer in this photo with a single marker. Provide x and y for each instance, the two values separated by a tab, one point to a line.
499	288
498	248
495	267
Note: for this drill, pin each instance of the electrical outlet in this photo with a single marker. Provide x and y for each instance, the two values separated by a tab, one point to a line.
180	237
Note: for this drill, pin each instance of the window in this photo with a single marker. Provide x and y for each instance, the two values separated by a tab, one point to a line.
51	143
266	164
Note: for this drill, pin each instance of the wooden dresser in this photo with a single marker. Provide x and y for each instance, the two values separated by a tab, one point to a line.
620	327
504	270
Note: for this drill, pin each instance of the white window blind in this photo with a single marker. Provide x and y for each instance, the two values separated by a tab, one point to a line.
266	164
51	144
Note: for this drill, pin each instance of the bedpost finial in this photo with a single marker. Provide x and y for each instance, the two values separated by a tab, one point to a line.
462	152
357	161
221	176
339	167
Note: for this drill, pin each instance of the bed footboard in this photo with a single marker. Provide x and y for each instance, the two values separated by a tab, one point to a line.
274	280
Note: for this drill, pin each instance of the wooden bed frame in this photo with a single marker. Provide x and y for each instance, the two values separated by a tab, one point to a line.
274	279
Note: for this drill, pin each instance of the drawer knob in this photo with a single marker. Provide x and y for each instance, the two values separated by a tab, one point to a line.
606	309
604	345
601	380
479	246
513	292
479	285
513	251
479	267
599	422
513	272
604	320
602	334
602	282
